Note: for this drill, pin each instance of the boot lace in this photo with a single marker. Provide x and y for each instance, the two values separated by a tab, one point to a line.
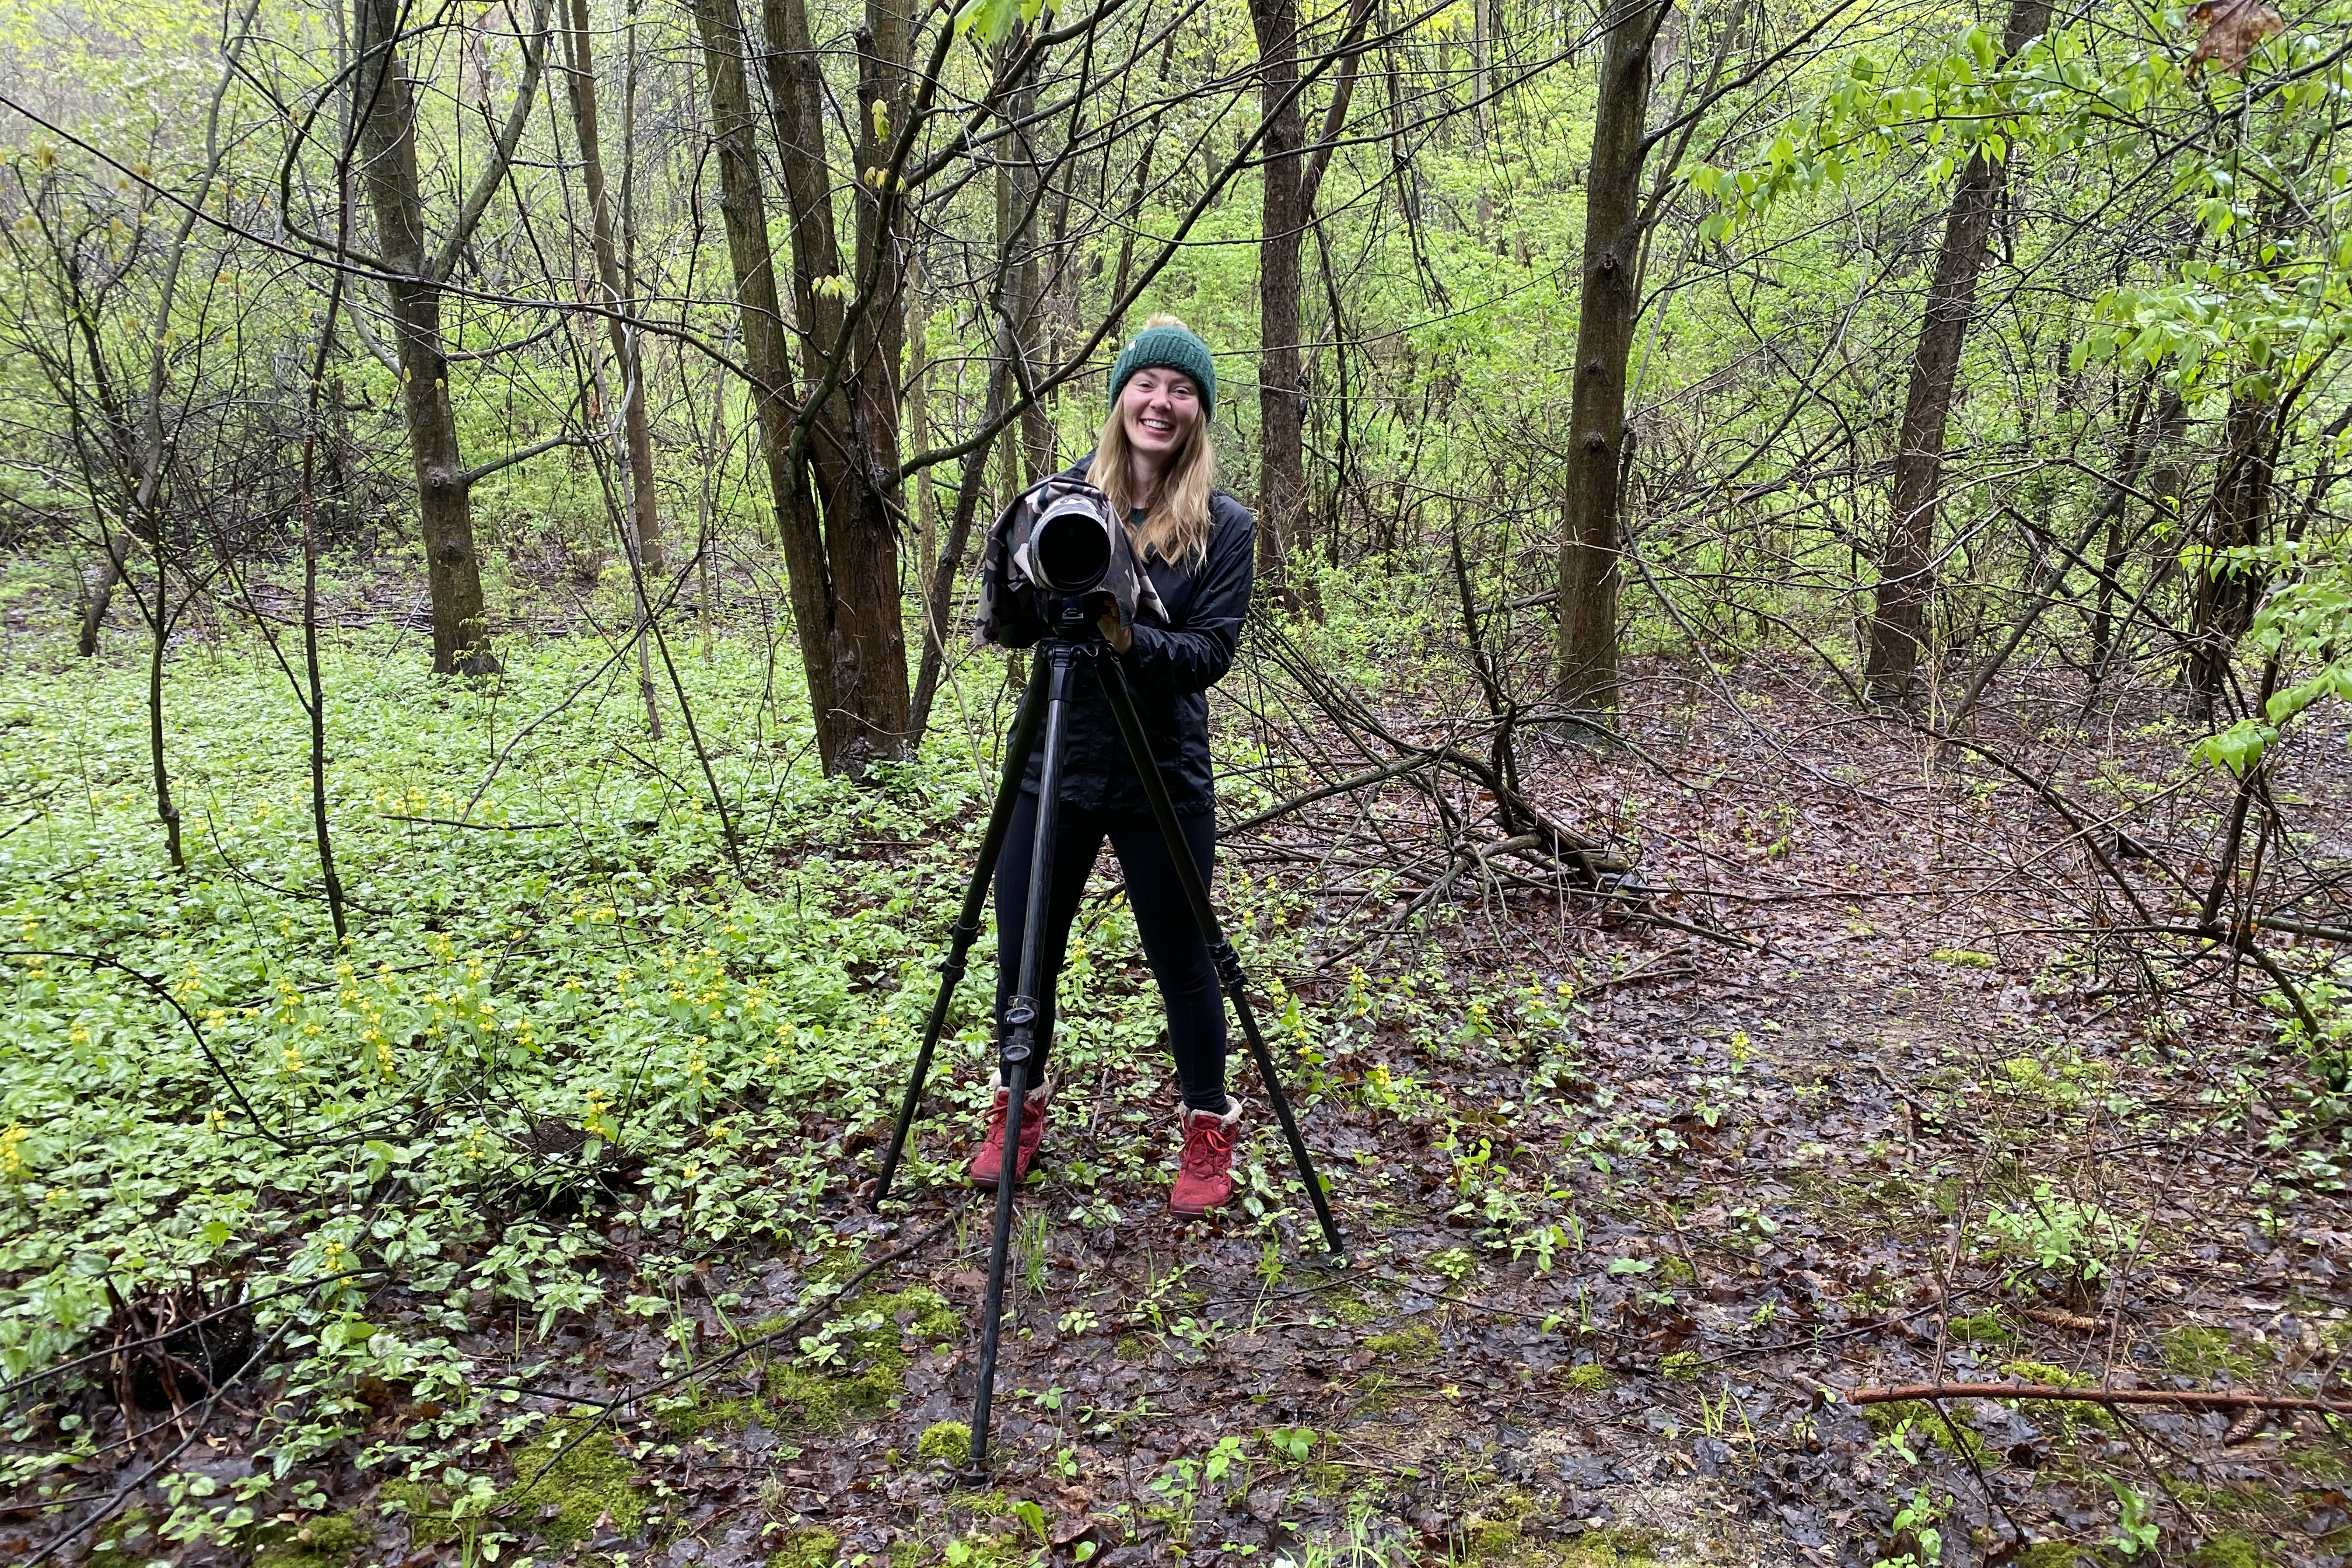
1208	1147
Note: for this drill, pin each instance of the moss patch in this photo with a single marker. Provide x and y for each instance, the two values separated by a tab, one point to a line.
2071	1413
1954	1436
978	1505
1984	1328
946	1440
1497	1534
585	1485
1494	1541
129	1537
1412	1343
2233	1549
2025	1076
1587	1378
1620	1548
1681	1365
2320	1463
426	1511
2048	1554
326	1542
2198	1352
696	1413
810	1548
1133	1347
997	1552
1676	1271
1375	1395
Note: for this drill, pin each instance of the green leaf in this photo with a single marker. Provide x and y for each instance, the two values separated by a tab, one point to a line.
989	21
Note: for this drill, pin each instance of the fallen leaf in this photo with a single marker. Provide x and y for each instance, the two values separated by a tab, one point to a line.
2230	30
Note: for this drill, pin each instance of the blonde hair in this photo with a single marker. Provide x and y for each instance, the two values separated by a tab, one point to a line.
1178	525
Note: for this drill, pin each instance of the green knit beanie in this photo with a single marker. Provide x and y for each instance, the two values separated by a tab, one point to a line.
1168	346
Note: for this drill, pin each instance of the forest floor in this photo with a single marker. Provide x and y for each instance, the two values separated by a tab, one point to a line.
1627	1206
1916	1124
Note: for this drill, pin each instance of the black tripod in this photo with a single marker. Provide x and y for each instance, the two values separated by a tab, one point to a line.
1046	702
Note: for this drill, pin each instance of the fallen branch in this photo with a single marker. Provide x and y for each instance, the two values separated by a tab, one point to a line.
2194	1399
2051	1317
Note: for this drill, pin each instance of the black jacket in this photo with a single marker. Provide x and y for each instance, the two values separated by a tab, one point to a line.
1169	668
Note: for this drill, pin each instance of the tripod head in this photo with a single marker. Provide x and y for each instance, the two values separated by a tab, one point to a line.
1076	618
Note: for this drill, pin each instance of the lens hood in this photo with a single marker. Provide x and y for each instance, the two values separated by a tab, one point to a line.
1070	548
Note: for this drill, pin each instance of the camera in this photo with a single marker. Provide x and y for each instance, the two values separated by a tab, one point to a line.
1061	554
1072	545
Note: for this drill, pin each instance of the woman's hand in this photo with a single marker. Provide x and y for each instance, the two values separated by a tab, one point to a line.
1120	638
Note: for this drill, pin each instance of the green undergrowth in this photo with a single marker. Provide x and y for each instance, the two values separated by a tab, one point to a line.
561	1015
590	1480
421	1506
1984	1329
1955	1436
797	1398
570	1024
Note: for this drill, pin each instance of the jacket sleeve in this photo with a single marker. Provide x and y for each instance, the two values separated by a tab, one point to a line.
1196	657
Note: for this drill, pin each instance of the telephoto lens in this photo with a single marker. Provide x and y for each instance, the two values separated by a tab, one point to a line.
1070	549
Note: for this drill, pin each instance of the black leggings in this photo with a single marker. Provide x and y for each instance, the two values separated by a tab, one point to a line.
1163	918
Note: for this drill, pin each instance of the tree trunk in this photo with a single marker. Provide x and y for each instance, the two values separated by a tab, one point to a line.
2140	442
839	551
1282	464
1905	569
851	442
1293	173
1016	210
1028	455
387	138
98	592
743	210
644	540
387	142
2225	597
918	420
939	590
1599	443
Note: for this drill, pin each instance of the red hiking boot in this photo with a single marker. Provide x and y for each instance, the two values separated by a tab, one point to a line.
1204	1177
988	1159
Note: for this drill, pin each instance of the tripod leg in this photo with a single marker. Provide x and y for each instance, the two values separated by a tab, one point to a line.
1229	963
1017	1047
966	931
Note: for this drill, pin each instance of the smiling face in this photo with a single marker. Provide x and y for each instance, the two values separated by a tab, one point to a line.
1158	409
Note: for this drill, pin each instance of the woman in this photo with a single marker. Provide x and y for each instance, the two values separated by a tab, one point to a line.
1153	460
